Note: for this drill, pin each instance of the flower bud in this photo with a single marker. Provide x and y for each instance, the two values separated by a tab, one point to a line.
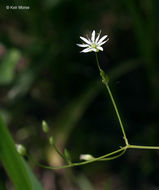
51	140
21	149
45	127
86	157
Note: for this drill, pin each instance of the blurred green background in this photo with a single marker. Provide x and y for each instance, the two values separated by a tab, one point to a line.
44	77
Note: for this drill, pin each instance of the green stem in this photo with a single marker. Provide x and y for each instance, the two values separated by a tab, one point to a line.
117	113
112	99
143	147
114	157
85	162
57	150
97	62
109	156
105	157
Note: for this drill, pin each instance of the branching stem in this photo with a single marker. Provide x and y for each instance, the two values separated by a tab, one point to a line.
106	157
110	156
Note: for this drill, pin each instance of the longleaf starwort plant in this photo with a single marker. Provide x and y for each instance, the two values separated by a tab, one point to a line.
93	45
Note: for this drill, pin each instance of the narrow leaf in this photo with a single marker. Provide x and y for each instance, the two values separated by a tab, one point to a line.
67	156
17	169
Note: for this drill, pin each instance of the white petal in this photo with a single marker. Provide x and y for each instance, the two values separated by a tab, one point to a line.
93	49
98	36
86	50
100	48
93	36
85	40
86	157
103	38
82	45
103	42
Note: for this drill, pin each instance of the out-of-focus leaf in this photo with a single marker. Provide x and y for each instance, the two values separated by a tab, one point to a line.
122	69
35	183
74	111
22	85
7	66
84	183
18	171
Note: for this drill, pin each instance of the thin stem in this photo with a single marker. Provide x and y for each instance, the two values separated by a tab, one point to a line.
117	113
85	162
114	157
143	147
105	157
113	101
97	62
57	150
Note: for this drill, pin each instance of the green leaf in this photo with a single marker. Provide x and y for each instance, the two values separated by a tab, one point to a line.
84	183
67	156
17	169
35	183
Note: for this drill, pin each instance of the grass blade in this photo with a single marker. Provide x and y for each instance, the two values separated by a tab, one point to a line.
17	169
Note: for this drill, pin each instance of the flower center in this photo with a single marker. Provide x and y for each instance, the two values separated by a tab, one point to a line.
93	45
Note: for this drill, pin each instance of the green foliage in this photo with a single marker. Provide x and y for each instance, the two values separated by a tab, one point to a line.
17	169
67	156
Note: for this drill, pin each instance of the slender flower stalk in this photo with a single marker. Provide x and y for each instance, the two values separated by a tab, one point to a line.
105	81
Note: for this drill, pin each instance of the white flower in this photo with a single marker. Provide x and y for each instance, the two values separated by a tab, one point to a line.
86	157
93	44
